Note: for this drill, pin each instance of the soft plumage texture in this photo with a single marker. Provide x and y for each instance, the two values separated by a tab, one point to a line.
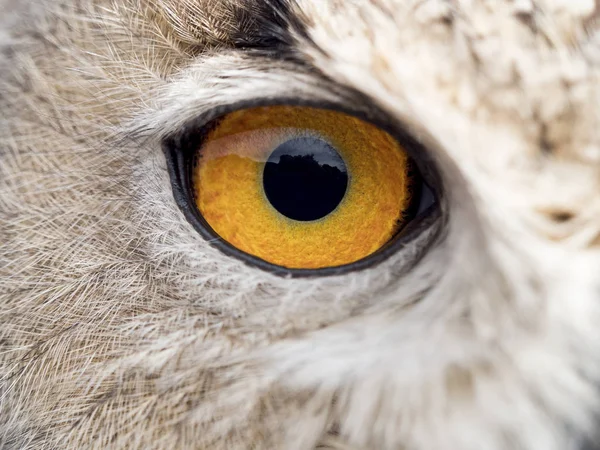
120	327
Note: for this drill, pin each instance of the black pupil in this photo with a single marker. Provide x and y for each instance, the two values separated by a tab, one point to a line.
305	178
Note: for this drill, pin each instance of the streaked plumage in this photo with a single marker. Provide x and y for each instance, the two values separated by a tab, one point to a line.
121	328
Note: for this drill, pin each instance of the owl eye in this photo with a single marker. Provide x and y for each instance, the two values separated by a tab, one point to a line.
298	189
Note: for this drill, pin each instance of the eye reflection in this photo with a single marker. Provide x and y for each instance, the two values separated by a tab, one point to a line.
305	179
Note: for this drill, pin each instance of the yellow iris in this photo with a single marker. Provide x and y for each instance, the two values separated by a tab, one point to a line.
230	193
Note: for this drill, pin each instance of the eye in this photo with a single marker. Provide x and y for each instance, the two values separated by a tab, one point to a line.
296	187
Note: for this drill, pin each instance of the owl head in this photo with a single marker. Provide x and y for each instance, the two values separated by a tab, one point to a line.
299	224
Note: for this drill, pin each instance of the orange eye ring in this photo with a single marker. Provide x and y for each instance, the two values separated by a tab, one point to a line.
196	187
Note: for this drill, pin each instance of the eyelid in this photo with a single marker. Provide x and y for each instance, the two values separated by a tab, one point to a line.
182	147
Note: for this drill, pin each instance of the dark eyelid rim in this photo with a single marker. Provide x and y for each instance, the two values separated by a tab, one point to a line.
180	147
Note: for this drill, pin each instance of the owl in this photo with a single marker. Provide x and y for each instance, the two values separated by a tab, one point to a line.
300	224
